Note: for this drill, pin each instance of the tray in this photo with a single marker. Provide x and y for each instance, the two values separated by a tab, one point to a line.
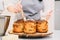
24	35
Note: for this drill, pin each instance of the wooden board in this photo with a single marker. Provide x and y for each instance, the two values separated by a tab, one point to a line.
31	35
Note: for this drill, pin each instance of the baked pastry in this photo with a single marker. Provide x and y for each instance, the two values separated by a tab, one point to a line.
42	26
30	27
18	26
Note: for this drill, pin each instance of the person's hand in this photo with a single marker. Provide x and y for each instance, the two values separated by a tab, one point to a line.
47	17
19	7
12	9
15	9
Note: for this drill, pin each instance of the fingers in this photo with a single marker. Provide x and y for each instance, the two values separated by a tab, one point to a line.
19	7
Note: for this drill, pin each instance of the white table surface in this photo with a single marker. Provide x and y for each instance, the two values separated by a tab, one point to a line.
55	36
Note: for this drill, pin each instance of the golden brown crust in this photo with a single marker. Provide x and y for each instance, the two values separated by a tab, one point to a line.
18	26
30	21
18	21
30	27
42	26
41	21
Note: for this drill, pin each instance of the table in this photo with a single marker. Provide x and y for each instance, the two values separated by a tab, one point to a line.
55	36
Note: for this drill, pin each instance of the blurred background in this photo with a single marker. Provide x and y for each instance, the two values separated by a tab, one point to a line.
57	14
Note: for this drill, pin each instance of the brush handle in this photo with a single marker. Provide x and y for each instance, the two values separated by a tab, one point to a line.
23	16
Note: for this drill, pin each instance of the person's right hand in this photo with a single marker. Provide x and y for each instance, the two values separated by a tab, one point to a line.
15	9
12	9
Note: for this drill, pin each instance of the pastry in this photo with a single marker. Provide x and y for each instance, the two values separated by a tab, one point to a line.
42	26
30	27
18	26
